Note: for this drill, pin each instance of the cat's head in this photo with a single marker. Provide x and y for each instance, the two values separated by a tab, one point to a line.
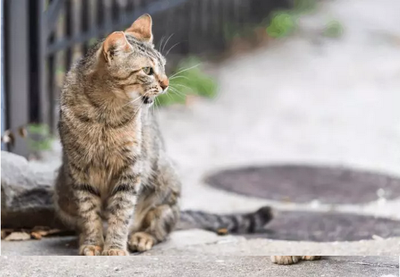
132	62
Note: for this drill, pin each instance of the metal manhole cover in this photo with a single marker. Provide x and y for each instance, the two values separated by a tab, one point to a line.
301	184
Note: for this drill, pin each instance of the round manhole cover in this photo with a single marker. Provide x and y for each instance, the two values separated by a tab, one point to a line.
325	227
302	184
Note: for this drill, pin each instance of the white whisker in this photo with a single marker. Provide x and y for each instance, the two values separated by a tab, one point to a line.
179	93
186	69
172	48
131	102
183	86
177	77
161	42
162	50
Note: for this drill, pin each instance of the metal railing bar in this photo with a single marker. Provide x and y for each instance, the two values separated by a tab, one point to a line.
152	8
51	16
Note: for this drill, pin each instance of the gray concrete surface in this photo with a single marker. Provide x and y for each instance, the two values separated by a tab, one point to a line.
299	100
199	242
195	266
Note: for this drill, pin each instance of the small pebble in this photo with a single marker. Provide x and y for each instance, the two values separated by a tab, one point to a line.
376	237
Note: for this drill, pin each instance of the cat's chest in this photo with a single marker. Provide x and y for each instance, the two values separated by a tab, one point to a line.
112	147
111	152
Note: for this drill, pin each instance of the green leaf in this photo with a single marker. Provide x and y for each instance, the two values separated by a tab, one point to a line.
190	79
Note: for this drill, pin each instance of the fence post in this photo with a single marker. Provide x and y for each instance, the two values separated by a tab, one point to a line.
39	104
3	105
16	68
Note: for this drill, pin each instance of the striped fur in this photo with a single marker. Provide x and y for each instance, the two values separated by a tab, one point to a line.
115	169
230	223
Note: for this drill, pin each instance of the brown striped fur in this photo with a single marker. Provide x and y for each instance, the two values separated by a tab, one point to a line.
115	169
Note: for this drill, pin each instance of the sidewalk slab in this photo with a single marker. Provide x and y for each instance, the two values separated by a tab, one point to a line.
195	266
204	243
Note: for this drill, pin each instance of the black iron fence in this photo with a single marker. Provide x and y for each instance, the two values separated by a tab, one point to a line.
42	39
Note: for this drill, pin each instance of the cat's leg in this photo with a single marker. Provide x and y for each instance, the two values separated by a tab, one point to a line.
78	206
155	227
157	211
89	221
120	210
63	199
287	260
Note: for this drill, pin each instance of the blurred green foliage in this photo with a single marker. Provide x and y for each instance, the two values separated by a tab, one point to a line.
333	29
39	137
282	24
304	6
189	79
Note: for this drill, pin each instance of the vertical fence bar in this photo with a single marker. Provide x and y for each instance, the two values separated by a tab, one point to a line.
222	21
39	105
52	14
3	99
85	21
51	76
183	28
115	11
129	6
100	16
122	10
93	6
51	87
107	19
192	34
76	28
68	32
16	68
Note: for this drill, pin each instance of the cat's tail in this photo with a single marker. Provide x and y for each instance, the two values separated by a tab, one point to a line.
228	223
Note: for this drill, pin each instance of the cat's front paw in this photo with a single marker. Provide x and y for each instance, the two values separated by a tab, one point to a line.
285	260
90	250
140	242
115	252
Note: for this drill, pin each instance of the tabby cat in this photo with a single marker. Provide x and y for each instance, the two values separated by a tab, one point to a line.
114	168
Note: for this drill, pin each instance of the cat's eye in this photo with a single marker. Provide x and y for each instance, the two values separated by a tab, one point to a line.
148	70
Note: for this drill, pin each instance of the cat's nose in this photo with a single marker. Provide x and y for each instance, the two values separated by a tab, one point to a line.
164	83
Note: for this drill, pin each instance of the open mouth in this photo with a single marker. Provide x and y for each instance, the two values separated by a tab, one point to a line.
148	99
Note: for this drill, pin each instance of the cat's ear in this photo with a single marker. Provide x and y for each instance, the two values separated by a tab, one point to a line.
115	44
141	28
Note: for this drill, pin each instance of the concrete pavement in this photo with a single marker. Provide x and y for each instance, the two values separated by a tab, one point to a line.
195	266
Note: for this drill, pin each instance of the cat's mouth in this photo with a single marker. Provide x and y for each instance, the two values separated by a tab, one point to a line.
148	99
